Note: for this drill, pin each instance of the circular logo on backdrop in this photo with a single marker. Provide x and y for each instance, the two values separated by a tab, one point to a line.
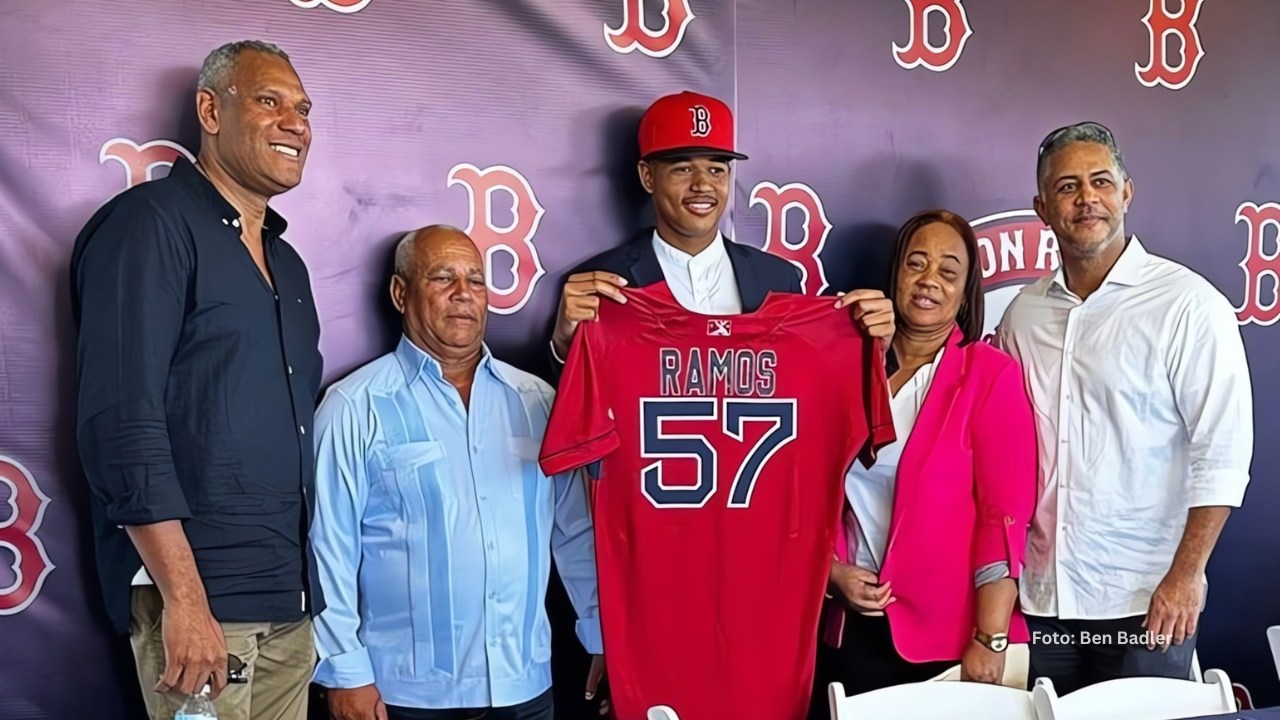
343	6
1014	249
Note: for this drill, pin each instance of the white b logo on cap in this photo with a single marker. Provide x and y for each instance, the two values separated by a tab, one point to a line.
701	121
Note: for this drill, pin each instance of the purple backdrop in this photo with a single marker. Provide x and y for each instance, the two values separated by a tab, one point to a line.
516	119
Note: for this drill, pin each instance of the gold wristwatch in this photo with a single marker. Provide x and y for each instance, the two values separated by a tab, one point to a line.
995	643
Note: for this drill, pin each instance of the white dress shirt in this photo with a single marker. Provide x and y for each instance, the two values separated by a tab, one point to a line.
704	283
871	490
1143	410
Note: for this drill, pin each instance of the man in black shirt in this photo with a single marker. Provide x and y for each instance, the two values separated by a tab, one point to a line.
198	368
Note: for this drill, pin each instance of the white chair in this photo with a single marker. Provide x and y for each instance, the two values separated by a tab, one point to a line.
662	712
1139	698
1273	639
933	701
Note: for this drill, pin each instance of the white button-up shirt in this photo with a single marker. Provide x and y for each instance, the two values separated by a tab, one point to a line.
704	283
1143	410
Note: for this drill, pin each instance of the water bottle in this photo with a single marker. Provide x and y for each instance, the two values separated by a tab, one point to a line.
197	707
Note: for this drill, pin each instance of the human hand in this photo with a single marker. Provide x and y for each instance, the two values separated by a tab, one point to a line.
361	703
1174	610
594	676
861	587
195	651
981	664
580	300
872	312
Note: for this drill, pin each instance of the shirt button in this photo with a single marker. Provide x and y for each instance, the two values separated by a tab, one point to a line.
290	369
484	498
235	223
490	546
225	221
302	430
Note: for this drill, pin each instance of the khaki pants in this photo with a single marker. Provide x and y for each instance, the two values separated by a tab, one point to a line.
278	657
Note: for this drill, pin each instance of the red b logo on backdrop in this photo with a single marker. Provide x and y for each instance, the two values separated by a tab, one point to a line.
515	239
804	252
342	6
1160	24
18	535
140	161
1258	265
955	28
633	34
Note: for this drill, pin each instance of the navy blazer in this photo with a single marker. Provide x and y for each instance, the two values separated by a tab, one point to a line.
756	271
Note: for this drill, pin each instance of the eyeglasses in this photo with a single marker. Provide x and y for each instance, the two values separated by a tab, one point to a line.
235	670
1052	137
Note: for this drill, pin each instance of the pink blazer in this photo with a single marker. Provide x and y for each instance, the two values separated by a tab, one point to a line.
965	493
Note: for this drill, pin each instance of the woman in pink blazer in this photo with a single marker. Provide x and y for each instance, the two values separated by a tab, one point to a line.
926	568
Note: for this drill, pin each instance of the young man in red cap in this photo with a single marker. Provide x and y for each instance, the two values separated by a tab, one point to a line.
686	151
686	154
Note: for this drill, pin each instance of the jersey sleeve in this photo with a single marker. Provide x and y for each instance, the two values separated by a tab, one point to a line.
877	415
581	429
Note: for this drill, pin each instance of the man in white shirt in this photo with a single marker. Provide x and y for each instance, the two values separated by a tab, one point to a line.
686	151
1144	416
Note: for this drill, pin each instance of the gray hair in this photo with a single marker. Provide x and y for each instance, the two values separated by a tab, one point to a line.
1080	132
408	243
217	67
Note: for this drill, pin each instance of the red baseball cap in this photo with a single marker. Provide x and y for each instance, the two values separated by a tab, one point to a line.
685	124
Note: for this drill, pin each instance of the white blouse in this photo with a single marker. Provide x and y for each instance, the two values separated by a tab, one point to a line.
870	490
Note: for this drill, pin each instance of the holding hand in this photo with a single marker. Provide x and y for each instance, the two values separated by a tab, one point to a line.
872	312
861	588
195	651
580	300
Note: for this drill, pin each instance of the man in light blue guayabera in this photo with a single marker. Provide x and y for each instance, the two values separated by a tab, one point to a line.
434	526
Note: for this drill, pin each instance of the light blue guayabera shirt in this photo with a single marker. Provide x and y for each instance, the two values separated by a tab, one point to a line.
434	529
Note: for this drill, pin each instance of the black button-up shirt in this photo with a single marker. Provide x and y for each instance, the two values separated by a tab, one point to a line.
197	389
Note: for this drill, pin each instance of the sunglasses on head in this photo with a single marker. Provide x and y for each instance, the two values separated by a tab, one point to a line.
1052	137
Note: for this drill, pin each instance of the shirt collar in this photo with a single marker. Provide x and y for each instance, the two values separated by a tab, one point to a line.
414	362
713	254
1126	271
194	181
1128	268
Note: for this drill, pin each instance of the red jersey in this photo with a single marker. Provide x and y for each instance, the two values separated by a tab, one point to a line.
724	442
